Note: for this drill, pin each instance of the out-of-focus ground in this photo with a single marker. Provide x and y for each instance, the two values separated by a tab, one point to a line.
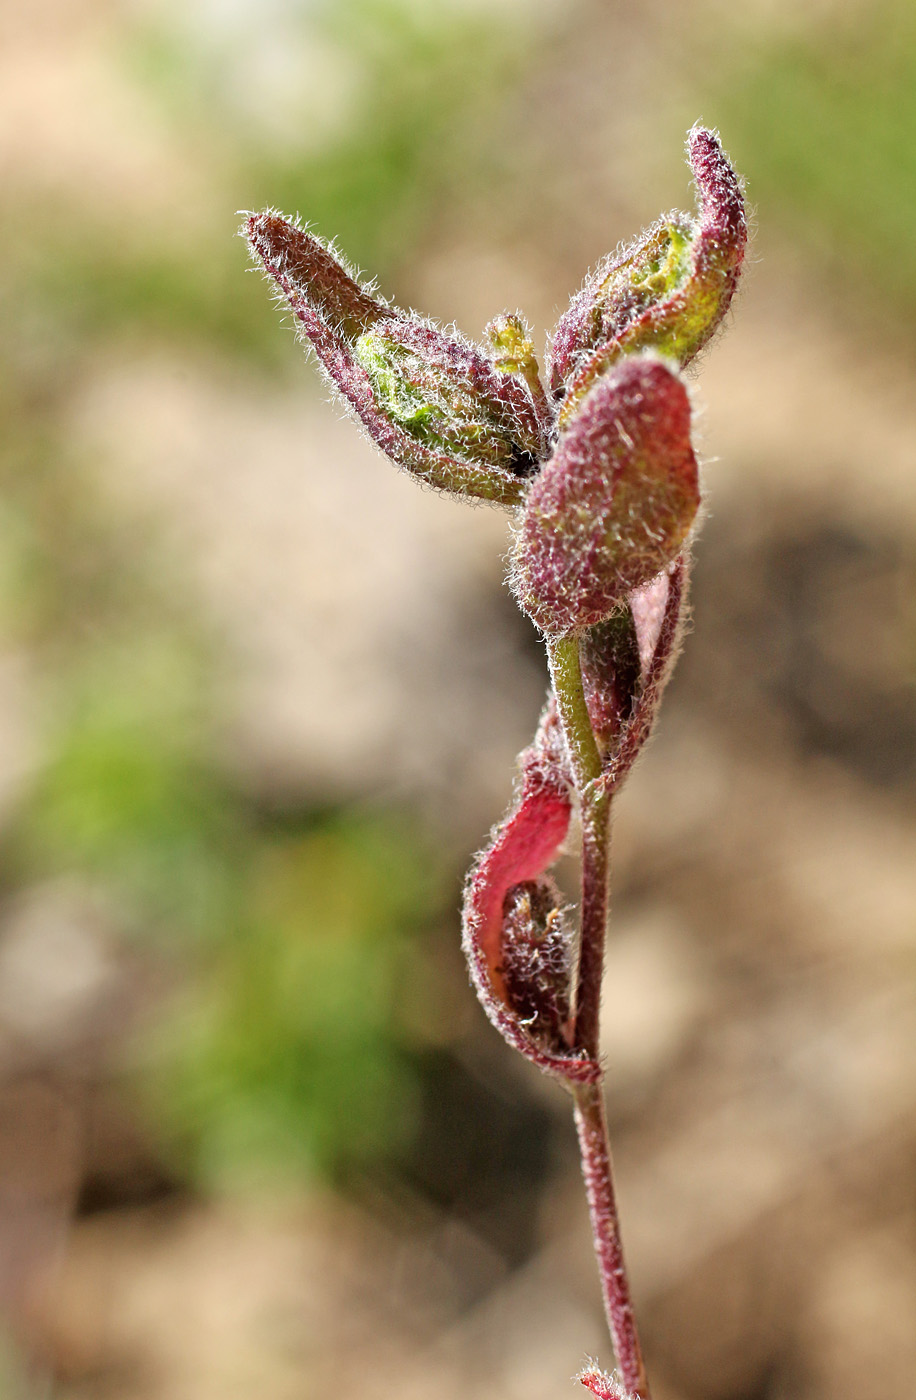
261	697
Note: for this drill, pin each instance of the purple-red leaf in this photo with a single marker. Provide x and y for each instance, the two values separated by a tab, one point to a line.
658	611
433	403
614	505
514	940
611	675
668	291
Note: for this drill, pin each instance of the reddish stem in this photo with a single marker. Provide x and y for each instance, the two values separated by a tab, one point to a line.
598	1171
595	811
591	1120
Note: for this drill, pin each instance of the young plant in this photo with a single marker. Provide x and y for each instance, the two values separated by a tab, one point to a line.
599	473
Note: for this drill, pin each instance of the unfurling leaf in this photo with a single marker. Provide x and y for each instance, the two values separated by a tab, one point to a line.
515	941
668	291
434	403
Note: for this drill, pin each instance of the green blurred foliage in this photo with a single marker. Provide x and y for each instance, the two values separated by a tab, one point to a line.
296	942
297	939
290	1056
127	793
825	125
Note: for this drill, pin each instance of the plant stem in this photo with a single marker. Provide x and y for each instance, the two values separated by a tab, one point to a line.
598	1171
566	674
591	1119
595	814
594	908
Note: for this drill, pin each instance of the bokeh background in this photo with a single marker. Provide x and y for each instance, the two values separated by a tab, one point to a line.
260	698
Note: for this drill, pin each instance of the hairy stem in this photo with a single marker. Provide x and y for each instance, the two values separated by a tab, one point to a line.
591	1120
597	1169
593	915
566	674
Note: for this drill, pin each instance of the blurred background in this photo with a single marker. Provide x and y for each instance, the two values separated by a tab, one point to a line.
260	698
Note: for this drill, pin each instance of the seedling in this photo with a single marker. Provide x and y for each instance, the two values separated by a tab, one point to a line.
598	470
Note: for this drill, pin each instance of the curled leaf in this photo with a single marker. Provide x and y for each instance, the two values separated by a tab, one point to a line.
614	505
517	947
611	674
433	403
446	395
658	610
668	291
